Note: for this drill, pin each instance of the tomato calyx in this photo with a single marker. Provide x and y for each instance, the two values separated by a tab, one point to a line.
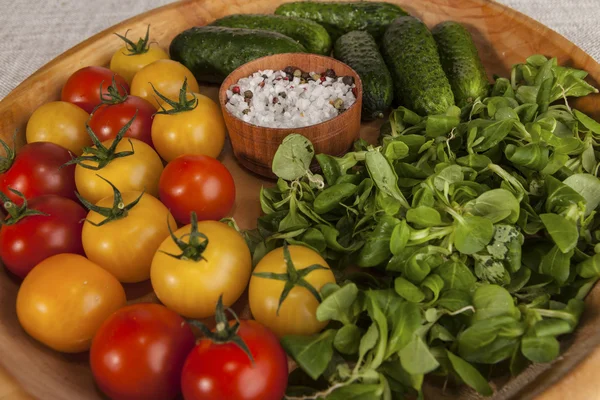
142	46
7	160
15	212
197	243
292	277
100	154
182	105
113	96
118	210
224	332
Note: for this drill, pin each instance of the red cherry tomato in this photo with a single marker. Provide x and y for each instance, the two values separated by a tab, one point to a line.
34	238
36	171
216	371
197	183
108	119
139	351
83	87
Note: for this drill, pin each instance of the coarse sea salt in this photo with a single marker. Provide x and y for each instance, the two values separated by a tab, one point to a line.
277	99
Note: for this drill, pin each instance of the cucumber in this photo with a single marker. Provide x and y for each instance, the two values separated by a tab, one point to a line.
359	50
461	62
306	32
213	52
342	17
419	79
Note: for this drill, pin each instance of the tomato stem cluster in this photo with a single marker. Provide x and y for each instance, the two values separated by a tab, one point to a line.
224	333
196	245
100	154
292	277
117	211
113	97
182	105
9	157
142	46
15	212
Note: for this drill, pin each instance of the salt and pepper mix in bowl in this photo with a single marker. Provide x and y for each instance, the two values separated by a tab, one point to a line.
290	98
267	99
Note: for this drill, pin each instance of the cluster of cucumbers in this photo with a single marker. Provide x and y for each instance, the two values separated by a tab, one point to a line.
395	54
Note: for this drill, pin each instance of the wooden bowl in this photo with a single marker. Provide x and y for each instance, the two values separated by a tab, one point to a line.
254	146
503	37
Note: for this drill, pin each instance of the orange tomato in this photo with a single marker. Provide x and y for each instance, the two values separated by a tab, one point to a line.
65	299
167	76
297	315
197	131
61	123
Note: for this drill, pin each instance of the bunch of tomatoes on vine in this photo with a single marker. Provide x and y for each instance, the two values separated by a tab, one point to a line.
119	183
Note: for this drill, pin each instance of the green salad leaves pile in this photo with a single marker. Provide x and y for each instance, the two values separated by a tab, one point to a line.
475	235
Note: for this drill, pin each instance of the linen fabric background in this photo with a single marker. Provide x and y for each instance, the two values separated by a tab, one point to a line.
33	32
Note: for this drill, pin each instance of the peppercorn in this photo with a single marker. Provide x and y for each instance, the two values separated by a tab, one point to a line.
297	73
289	70
322	79
338	103
264	76
246	111
236	89
305	76
248	94
315	76
262	84
348	80
282	95
275	100
330	73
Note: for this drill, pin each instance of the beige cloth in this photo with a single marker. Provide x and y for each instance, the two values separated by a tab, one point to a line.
33	32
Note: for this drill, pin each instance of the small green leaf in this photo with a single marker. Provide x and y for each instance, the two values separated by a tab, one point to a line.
406	323
470	375
408	291
400	237
557	264
472	234
492	301
384	176
588	186
347	339
416	357
424	216
590	267
293	157
563	231
540	349
312	353
337	306
456	275
448	176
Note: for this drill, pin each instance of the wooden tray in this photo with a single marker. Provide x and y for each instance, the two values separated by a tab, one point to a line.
503	36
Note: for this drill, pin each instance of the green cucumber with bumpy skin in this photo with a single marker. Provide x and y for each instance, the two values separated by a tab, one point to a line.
461	62
359	50
306	32
419	79
343	17
213	52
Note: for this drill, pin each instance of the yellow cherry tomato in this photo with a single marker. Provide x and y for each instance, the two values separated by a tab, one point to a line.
197	131
167	76
61	123
297	314
191	285
132	57
125	246
65	299
139	171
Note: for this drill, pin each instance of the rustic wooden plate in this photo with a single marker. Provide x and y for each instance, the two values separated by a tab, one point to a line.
503	36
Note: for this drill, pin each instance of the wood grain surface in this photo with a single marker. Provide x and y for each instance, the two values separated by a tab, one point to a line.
254	146
503	37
